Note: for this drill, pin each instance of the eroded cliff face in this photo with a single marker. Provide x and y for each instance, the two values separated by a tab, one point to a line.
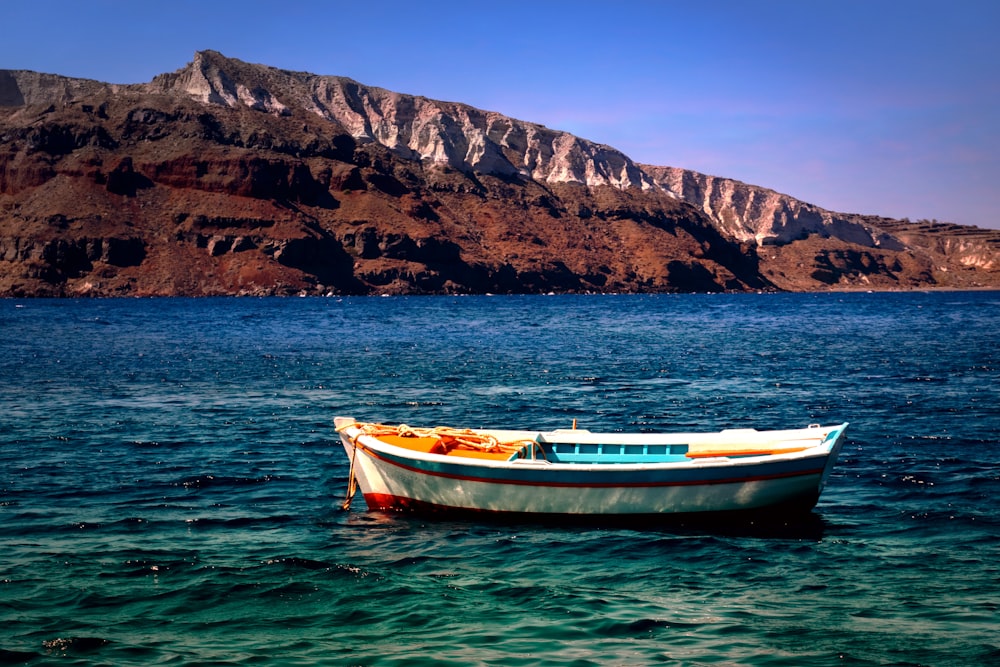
762	216
836	249
230	178
412	128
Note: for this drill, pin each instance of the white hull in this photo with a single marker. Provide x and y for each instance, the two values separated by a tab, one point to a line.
391	478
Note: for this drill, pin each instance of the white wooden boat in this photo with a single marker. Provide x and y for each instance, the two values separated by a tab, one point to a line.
576	472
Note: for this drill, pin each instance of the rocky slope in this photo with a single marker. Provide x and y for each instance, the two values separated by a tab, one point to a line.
838	250
231	178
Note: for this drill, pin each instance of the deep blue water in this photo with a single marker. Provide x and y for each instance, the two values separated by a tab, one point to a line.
170	482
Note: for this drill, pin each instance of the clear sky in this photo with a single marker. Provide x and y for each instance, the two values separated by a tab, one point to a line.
888	107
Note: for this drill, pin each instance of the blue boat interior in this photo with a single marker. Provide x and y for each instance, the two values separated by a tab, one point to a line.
576	452
567	451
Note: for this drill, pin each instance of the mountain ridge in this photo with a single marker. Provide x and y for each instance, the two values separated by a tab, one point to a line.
225	177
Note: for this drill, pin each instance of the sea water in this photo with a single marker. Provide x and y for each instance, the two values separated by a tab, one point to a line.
171	484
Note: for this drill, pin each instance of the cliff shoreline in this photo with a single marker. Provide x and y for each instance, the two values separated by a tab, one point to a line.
232	178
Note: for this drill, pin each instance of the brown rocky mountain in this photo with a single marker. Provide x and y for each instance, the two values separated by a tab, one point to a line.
231	178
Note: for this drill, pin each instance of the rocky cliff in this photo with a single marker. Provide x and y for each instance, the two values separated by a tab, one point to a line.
839	250
231	178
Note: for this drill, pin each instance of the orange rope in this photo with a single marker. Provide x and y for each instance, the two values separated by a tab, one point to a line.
449	438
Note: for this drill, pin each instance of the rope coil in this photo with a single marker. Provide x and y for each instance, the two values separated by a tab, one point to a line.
448	439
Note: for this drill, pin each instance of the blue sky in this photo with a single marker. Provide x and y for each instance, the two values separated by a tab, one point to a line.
885	107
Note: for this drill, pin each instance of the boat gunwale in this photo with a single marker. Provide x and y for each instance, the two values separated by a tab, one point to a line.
820	450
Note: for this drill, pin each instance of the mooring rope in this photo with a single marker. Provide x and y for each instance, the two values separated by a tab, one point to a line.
352	481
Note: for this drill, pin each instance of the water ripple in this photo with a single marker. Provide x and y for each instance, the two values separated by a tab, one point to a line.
169	482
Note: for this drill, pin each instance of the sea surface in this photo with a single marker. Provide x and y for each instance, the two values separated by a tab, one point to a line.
171	483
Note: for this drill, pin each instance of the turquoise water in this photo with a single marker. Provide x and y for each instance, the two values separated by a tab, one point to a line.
170	483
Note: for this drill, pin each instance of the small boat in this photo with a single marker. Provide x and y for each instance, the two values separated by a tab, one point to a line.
574	472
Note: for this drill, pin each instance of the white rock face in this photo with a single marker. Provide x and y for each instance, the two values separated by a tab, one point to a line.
969	252
447	133
205	81
751	213
472	140
974	255
466	138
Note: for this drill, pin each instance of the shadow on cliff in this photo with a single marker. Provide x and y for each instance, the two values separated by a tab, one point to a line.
740	259
320	255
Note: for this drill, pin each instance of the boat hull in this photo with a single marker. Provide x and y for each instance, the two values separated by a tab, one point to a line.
392	479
